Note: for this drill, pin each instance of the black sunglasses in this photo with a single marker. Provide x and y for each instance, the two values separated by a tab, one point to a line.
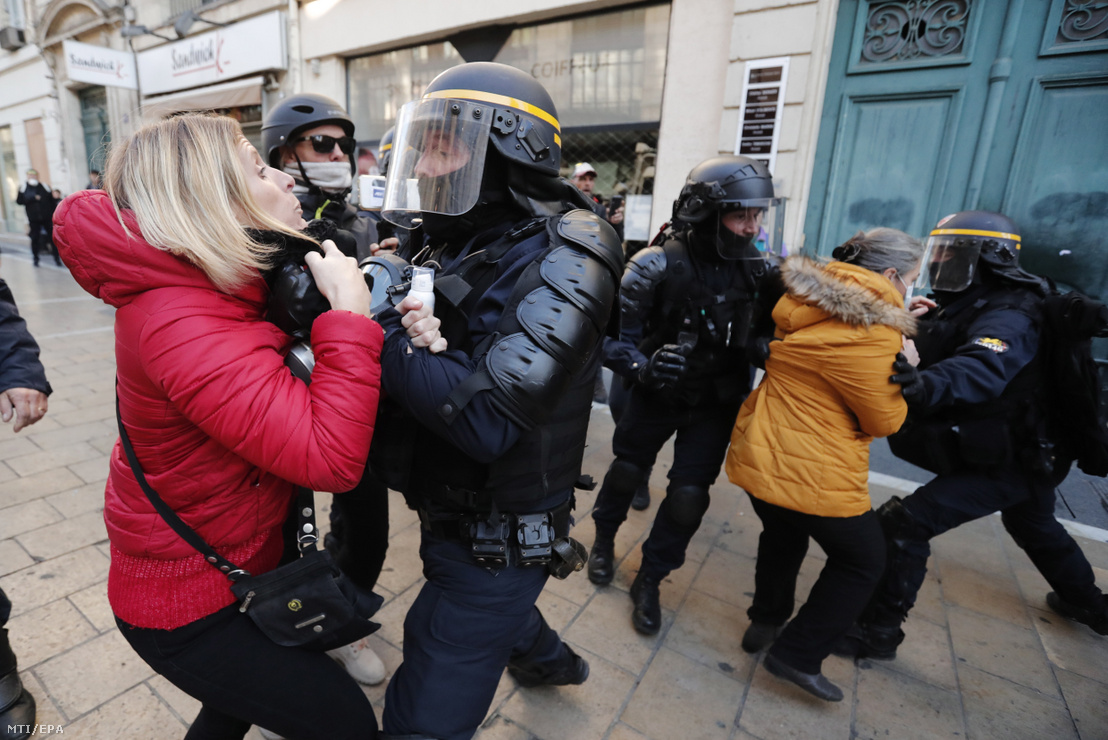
325	144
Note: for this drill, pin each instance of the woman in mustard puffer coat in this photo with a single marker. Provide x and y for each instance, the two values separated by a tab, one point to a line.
800	446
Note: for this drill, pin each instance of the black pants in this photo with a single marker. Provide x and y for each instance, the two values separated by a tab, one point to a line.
243	678
855	548
359	536
703	432
40	238
1027	511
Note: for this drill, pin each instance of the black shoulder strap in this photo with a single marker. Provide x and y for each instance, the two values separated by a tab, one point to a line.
305	503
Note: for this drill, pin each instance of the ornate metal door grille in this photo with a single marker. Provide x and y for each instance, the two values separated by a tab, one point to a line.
914	29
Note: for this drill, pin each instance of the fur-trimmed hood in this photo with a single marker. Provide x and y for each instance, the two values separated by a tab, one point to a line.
849	293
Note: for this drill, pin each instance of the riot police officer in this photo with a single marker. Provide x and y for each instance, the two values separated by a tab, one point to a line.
486	439
311	137
978	421
686	310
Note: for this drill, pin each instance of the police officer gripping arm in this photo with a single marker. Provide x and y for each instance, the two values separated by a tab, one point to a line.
485	440
977	419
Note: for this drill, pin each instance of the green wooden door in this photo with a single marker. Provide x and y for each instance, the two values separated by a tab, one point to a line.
936	106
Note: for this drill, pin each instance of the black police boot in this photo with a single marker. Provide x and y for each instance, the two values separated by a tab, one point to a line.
869	641
641	500
1097	620
573	670
647	616
814	683
602	560
759	636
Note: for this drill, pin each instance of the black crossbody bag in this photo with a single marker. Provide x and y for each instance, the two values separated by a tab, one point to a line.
307	603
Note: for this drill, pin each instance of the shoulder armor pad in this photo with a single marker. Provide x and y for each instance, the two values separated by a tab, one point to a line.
586	229
647	265
645	271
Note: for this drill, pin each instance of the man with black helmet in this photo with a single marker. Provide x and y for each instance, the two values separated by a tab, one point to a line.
687	309
486	439
977	418
311	137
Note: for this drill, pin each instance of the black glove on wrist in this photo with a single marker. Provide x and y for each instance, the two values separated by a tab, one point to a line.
757	352
908	378
665	367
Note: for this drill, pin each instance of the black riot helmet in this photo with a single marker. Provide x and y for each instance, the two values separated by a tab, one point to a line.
728	200
471	116
963	240
384	150
298	113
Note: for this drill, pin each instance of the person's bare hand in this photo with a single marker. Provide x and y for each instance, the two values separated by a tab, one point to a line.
25	404
388	246
422	324
616	217
910	352
919	305
339	279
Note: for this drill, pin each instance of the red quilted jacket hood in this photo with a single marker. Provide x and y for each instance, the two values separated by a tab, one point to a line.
114	265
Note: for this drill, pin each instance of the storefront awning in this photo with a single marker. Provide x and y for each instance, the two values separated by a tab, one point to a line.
247	91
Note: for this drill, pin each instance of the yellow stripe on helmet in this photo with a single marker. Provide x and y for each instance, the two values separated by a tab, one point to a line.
385	148
486	97
977	232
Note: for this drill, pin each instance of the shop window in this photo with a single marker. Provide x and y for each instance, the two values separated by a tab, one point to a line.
601	70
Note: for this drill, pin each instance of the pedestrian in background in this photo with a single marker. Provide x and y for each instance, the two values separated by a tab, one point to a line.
35	197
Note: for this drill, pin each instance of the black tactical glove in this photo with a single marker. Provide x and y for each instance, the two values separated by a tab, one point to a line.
908	378
757	352
665	367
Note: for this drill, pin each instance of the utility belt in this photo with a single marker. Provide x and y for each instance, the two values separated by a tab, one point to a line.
498	540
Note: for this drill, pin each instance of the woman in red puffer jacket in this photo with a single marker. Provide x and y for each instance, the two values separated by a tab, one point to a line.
221	428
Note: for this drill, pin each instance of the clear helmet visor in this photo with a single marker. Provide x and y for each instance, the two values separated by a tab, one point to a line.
949	263
750	229
437	160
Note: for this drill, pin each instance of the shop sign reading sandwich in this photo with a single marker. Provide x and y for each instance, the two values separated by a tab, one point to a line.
249	46
99	65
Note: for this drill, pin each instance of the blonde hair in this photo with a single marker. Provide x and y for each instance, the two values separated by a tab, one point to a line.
183	180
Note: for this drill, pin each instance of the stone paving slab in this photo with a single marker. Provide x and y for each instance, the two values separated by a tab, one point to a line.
983	658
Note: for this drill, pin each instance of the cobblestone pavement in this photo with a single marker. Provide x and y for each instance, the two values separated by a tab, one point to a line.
984	658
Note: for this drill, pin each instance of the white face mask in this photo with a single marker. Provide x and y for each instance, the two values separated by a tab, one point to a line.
908	294
32	181
327	176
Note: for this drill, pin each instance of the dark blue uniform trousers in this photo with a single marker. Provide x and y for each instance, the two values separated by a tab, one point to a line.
1027	510
703	433
460	632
